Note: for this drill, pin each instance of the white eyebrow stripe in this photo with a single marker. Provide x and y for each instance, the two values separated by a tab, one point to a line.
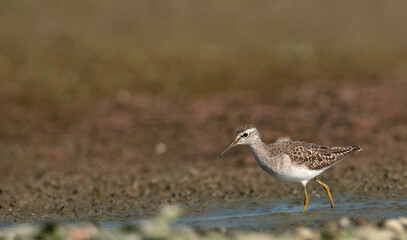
249	130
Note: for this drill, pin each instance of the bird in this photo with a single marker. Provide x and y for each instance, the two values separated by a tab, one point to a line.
294	161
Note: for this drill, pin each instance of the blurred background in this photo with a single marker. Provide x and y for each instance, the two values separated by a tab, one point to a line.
69	50
117	106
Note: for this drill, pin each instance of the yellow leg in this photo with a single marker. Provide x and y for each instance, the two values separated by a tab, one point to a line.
306	200
327	191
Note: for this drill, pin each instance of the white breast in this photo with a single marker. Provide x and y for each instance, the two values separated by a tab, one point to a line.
283	168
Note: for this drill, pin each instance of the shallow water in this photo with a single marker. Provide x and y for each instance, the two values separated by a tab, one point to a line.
253	215
279	215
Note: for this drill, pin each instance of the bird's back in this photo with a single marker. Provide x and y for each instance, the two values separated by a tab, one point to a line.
311	155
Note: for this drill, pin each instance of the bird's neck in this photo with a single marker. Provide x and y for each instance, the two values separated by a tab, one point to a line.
259	149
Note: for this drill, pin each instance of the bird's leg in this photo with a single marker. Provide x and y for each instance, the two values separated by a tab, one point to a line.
306	200
327	191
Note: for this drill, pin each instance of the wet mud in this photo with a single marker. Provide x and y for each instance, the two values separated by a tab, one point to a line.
126	156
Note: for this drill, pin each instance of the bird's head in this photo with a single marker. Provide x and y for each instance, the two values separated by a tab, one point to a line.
245	135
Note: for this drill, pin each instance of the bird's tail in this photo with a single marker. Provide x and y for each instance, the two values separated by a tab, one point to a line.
356	148
344	151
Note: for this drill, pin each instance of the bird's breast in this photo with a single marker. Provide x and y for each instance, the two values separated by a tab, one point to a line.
281	167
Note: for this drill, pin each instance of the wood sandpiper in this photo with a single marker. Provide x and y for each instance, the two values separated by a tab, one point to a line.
292	160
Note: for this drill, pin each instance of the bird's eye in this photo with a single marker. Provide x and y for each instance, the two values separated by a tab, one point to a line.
245	134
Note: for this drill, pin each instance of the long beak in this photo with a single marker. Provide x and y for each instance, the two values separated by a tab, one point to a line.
234	143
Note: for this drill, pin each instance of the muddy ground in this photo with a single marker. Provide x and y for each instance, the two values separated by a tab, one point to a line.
125	156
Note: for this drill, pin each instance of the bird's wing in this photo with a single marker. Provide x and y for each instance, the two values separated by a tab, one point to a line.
316	157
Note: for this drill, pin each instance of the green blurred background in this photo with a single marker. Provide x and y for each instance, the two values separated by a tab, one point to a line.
59	51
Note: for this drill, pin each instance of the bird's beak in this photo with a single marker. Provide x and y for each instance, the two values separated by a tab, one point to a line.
234	143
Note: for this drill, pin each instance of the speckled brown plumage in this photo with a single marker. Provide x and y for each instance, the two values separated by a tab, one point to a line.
292	160
311	155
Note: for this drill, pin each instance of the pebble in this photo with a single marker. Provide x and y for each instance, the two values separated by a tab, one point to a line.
344	222
161	148
403	221
394	225
82	233
305	234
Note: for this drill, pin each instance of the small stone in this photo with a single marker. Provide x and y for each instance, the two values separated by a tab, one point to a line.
304	234
160	148
360	221
394	225
403	221
344	222
170	212
330	231
82	233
